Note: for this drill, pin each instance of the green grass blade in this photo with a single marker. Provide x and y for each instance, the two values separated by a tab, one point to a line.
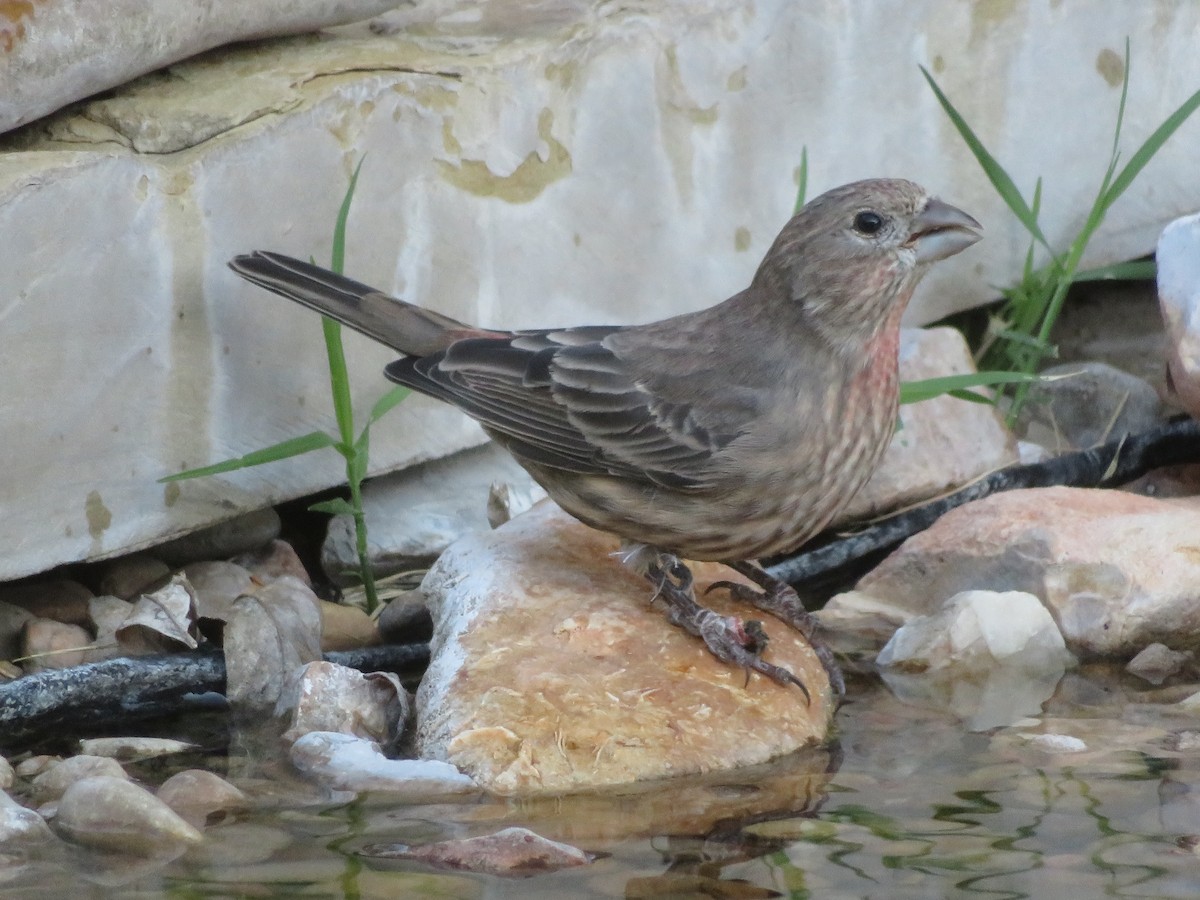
339	228
1152	145
991	167
385	403
1134	270
339	378
339	506
801	180
317	440
928	388
1116	145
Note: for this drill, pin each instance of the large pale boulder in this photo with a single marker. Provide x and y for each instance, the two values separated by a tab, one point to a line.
57	51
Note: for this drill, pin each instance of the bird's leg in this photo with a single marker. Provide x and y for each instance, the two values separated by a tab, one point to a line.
727	637
781	600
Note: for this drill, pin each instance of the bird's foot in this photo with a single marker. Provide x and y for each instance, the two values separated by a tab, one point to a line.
728	638
781	600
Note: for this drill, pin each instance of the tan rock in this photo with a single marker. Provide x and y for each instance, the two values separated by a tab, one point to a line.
53	645
273	560
1116	570
553	672
346	627
116	815
195	794
51	784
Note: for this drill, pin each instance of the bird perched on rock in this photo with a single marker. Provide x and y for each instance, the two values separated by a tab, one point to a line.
727	434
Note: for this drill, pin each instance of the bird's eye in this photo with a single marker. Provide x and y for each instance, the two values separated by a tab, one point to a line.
868	222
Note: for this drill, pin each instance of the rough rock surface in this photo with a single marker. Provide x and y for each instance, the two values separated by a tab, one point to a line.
1117	571
552	672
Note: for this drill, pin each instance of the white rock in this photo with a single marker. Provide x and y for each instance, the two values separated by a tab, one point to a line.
348	763
412	516
990	658
977	630
1057	743
56	53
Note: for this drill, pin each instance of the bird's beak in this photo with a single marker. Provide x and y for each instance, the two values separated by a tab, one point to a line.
941	230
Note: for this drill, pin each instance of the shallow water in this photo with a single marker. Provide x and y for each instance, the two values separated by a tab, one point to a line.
905	803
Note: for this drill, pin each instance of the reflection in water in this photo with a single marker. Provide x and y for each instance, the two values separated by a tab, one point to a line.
909	802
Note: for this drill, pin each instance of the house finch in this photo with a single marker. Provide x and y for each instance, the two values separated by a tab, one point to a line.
727	434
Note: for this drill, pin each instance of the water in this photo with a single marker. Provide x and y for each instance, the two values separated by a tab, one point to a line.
906	803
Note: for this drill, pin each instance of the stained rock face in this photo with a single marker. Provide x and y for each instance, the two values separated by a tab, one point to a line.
553	672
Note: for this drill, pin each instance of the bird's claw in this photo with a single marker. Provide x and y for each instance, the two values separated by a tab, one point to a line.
728	638
781	600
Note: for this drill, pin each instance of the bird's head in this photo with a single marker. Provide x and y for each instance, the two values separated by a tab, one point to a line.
853	255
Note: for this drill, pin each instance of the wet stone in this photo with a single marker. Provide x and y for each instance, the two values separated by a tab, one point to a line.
19	825
196	795
51	784
116	815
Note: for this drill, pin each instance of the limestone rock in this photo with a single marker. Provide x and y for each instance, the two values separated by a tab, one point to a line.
977	630
510	852
942	443
991	658
333	698
130	576
414	515
1156	663
552	672
58	52
1117	571
53	645
239	534
350	763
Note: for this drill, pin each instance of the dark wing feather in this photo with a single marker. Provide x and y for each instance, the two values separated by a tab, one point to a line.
563	399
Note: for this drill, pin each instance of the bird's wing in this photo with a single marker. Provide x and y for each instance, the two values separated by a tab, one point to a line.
563	399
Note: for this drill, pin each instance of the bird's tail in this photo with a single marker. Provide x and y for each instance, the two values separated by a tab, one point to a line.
402	326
